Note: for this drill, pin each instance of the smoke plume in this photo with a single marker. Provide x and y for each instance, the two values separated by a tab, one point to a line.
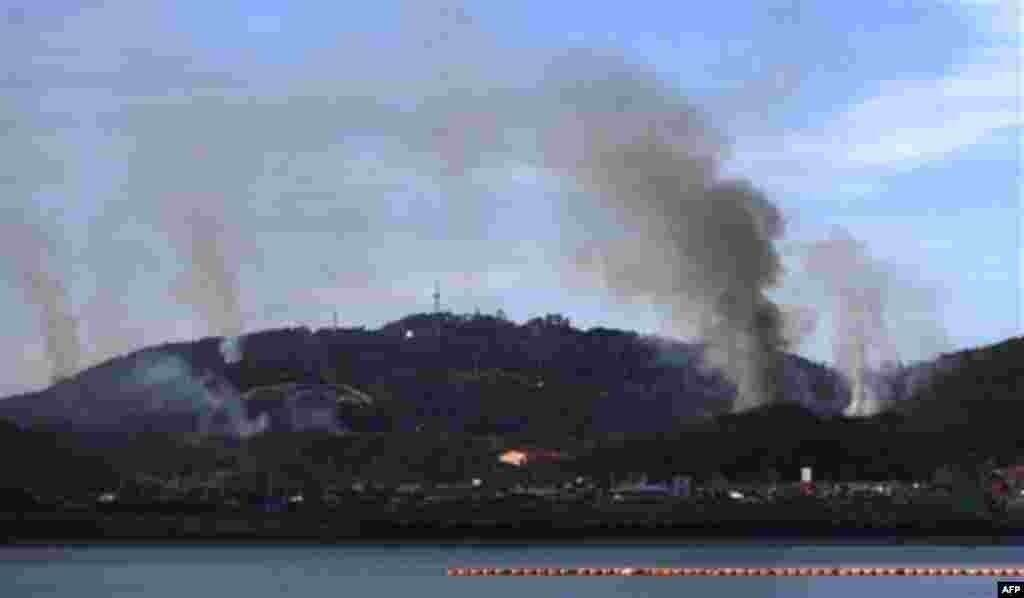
799	324
697	243
171	382
872	307
210	284
29	264
321	150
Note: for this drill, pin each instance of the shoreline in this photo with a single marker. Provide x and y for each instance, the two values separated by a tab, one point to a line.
682	541
317	528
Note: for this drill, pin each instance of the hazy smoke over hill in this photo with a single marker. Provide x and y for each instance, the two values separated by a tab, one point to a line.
334	150
211	280
172	383
873	309
28	263
799	323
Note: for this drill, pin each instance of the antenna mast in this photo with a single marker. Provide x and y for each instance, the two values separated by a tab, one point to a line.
437	310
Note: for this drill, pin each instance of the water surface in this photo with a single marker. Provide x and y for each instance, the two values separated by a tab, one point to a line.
255	571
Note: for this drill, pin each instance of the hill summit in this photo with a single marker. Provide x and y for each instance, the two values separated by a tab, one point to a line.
478	373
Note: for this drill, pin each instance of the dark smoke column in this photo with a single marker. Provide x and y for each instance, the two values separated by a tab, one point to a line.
696	244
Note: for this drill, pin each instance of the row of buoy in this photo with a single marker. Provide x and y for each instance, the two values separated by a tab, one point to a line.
736	571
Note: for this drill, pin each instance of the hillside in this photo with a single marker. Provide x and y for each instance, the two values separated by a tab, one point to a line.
616	401
621	401
975	393
484	375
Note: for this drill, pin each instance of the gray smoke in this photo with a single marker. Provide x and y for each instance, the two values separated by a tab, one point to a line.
211	283
874	309
59	326
697	243
231	349
798	324
28	262
171	382
320	150
108	332
860	338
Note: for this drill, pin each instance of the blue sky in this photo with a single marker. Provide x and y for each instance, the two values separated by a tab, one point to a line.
897	121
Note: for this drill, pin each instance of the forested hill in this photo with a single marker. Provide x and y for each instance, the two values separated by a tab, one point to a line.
487	374
476	373
617	400
979	389
484	374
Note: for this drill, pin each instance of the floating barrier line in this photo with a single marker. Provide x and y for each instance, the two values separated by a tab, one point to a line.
735	571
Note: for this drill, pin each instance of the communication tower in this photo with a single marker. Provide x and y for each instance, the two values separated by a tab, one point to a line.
437	311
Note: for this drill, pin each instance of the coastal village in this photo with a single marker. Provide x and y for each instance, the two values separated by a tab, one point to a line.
539	477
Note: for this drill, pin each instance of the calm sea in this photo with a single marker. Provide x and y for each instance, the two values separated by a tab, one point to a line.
253	571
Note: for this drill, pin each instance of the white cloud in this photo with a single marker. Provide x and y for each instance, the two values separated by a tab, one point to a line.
908	122
1002	18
